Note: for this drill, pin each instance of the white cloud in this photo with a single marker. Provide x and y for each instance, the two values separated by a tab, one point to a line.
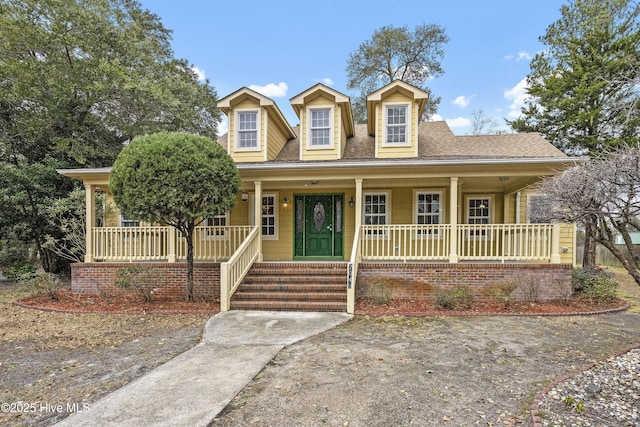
436	118
199	73
326	81
517	95
519	57
223	126
462	101
272	90
458	122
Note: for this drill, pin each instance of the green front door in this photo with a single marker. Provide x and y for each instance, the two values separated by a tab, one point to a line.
318	225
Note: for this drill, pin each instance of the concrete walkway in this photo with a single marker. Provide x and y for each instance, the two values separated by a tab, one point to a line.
192	388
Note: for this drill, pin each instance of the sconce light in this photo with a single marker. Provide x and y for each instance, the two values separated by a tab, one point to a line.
285	202
245	197
351	202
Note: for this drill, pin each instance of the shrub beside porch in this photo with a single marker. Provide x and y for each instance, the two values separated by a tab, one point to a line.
92	278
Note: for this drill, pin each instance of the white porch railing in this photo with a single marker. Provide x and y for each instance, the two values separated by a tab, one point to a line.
486	242
505	242
405	242
352	272
214	243
233	271
131	243
160	243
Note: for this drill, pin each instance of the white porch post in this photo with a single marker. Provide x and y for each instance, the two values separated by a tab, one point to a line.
555	244
90	203
173	245
358	212
453	220
257	215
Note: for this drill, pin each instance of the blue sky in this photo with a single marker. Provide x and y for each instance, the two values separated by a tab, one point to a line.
281	48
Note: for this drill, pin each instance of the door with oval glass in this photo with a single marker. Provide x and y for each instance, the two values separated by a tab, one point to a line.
318	226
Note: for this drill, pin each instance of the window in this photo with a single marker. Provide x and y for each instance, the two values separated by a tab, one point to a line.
428	211
216	221
320	127
247	130
268	215
269	212
127	222
396	124
375	210
478	212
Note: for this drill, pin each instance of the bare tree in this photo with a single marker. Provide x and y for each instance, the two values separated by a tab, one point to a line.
603	194
481	124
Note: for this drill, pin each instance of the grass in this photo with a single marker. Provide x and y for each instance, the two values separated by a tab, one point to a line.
629	289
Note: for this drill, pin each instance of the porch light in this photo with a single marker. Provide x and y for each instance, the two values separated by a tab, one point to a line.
351	202
245	197
285	202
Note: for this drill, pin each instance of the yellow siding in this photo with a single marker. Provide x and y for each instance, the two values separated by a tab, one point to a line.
313	154
567	240
404	151
247	156
275	140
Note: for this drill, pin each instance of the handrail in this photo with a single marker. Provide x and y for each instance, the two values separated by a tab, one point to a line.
352	272
235	269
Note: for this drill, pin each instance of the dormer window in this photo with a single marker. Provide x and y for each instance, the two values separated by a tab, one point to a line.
320	127
396	124
247	130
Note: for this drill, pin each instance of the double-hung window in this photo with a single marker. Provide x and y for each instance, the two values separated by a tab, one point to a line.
320	127
128	222
376	211
396	124
247	130
216	221
268	217
478	213
429	211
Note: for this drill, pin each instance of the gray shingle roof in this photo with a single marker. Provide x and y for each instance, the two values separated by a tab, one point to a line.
436	141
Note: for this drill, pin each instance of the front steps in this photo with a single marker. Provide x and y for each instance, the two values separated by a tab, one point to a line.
293	286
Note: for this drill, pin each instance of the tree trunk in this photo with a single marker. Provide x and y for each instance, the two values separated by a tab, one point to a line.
623	260
189	238
589	256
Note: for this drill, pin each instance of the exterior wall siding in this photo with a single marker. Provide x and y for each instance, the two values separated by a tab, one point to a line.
423	280
95	277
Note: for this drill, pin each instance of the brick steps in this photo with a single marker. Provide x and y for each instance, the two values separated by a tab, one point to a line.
293	286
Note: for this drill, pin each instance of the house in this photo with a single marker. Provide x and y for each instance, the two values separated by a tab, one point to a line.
394	202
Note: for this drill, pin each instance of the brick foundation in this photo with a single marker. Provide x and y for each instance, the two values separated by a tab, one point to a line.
96	277
549	282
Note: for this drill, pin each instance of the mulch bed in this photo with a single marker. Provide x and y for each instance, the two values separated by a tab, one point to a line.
409	307
133	304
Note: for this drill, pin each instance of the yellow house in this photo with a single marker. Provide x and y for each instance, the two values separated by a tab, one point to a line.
395	201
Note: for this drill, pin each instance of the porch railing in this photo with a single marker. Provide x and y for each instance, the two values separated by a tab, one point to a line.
405	242
352	272
485	242
163	242
233	271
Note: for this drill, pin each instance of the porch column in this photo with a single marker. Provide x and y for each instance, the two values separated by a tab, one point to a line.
555	244
453	220
257	215
358	212
90	203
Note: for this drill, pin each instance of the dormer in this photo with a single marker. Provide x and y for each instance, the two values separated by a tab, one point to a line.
257	127
325	122
393	114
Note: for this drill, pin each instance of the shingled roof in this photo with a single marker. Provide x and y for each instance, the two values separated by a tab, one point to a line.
436	141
